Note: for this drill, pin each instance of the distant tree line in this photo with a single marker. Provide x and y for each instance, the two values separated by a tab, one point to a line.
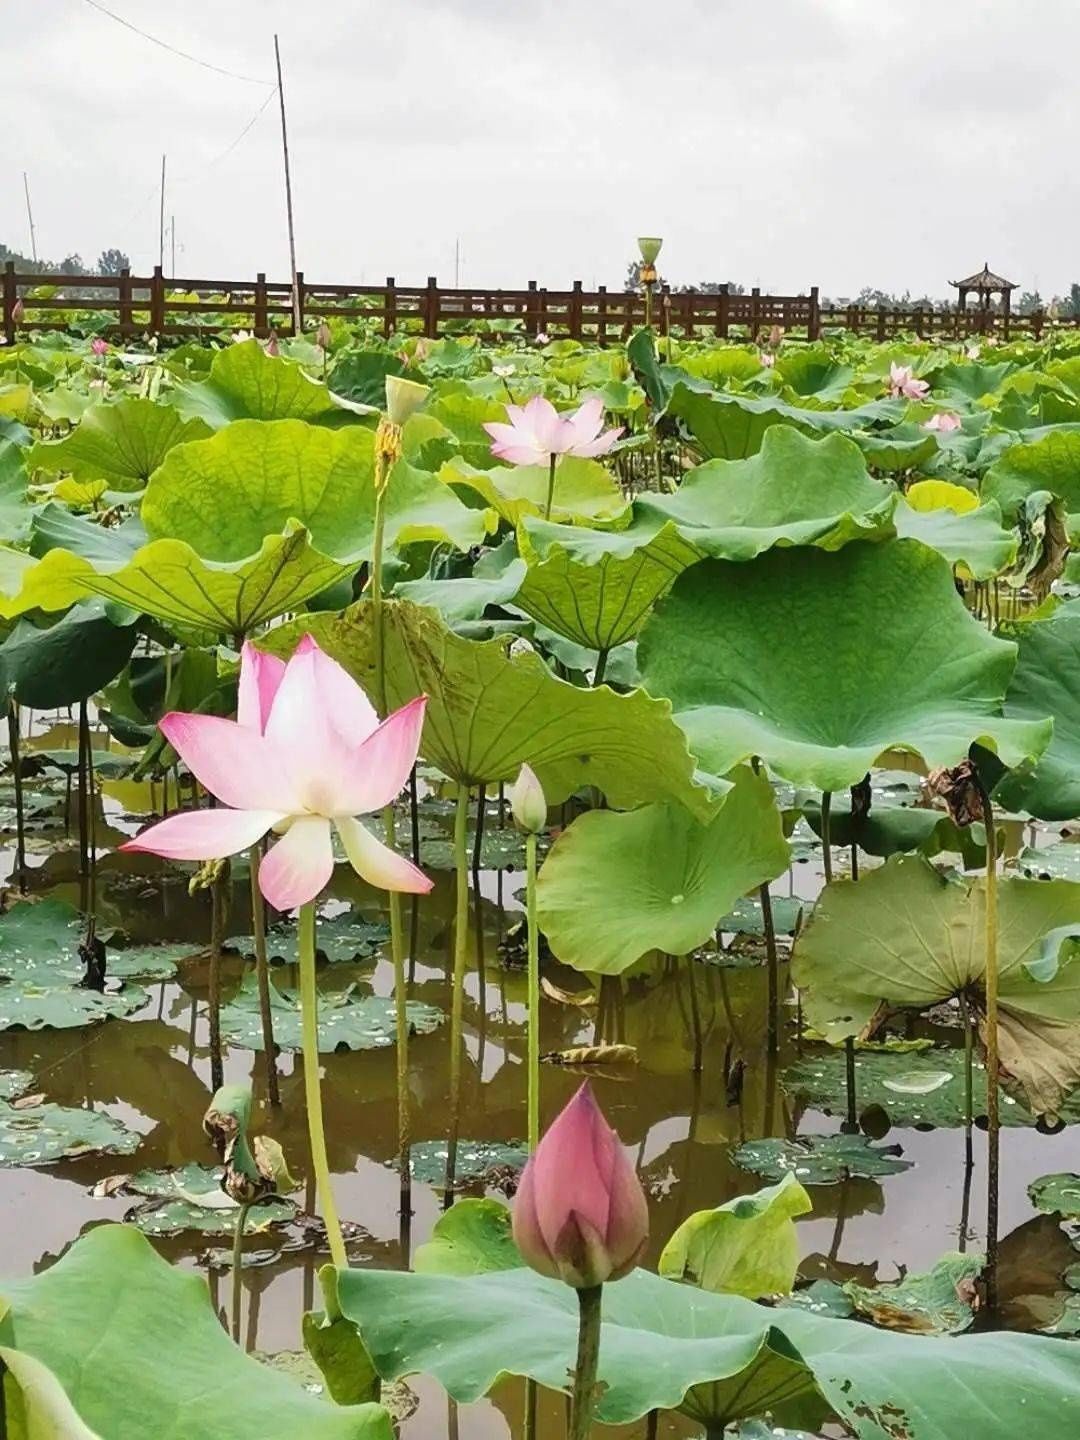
110	262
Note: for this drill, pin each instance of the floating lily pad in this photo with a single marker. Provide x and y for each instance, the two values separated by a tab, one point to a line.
823	1297
43	1134
1051	862
940	1302
342	938
14	1083
191	1198
26	1005
346	1021
35	938
745	916
475	1158
820	1159
1056	1195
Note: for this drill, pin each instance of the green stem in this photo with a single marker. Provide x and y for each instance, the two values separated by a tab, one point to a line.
588	1355
309	1011
237	1269
551	486
461	925
218	926
826	833
534	993
993	1135
601	667
16	775
262	975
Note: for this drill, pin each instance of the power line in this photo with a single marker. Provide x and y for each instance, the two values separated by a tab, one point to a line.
205	64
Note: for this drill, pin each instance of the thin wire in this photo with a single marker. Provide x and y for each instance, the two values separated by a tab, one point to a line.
206	64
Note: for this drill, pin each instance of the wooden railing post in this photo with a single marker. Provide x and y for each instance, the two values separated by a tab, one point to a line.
431	308
262	319
389	324
157	301
574	317
123	294
532	310
755	312
723	311
813	324
917	321
601	315
11	296
298	302
881	322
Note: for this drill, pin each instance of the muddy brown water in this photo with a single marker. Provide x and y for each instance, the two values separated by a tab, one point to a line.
152	1072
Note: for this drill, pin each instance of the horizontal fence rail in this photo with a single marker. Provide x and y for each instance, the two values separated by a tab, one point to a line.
159	306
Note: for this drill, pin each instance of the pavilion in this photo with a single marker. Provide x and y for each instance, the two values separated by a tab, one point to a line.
984	284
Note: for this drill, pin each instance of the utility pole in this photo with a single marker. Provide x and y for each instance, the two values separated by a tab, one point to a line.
288	192
161	219
30	217
457	262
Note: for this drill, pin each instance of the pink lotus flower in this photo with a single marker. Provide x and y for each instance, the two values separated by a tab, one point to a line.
99	346
767	360
580	1214
305	753
943	420
903	382
537	432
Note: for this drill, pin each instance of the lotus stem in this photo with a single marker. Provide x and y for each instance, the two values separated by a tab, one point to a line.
461	923
309	1013
262	976
851	1123
217	940
551	486
695	1017
993	1135
772	959
826	834
588	1356
601	666
16	774
414	816
237	1269
534	992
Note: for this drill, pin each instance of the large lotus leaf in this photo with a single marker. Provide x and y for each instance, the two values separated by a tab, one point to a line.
168	580
49	666
822	663
346	937
57	528
1056	1195
819	1159
120	442
139	1351
584	490
596	587
814	371
36	1407
975	540
906	936
731	427
661	1339
247	384
27	1005
905	447
465	598
473	1237
793	491
361	375
939	1302
15	513
346	1021
224	495
490	711
1047	682
43	1134
191	1198
747	1246
968	381
617	885
1052	464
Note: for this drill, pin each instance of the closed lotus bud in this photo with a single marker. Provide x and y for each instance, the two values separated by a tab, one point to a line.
98	346
404	398
273	349
527	803
323	338
17	311
580	1214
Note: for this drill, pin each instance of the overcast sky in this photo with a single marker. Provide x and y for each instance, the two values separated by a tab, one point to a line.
774	142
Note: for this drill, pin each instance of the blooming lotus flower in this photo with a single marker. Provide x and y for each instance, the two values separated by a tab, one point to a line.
943	420
903	382
503	371
973	352
580	1213
240	336
99	346
305	754
537	432
543	338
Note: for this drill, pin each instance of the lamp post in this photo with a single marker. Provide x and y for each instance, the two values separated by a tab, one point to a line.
649	249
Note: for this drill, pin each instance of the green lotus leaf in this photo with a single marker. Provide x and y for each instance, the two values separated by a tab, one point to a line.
168	580
906	936
674	876
585	492
793	491
1051	862
14	1083
36	1406
346	1021
820	1159
939	1302
731	427
745	916
1051	463
247	384
43	1134
139	1351
474	1159
1047	682
814	371
224	495
1056	1195
490	711
463	414
467	598
976	540
45	667
596	587
905	447
56	528
15	513
968	381
361	375
41	940
339	938
747	1246
191	1199
27	1005
889	829
473	1237
823	663
119	442
718	1357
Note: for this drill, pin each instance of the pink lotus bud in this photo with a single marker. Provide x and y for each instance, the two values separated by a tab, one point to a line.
527	803
323	337
272	347
99	346
580	1214
17	311
767	360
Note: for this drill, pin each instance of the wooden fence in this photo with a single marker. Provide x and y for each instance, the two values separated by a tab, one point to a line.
154	305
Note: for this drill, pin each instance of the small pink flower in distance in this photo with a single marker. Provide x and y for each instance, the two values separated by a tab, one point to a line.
767	360
580	1213
306	754
536	431
272	348
903	382
99	346
943	420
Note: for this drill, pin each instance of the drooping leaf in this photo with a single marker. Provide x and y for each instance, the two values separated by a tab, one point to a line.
247	384
466	598
36	1407
473	1237
60	664
617	885
975	540
346	1021
1051	463
1047	682
823	663
585	491
940	1302
119	442
819	1159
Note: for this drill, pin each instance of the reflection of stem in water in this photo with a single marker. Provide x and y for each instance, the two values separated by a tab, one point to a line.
309	1016
769	1116
191	1032
461	924
262	975
695	1017
841	1216
481	980
502	805
238	1269
729	1014
652	1425
969	1156
451	1418
769	930
218	917
851	1122
826	834
993	1137
16	775
534	992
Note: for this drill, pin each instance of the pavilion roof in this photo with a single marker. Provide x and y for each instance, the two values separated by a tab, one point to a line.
983	279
